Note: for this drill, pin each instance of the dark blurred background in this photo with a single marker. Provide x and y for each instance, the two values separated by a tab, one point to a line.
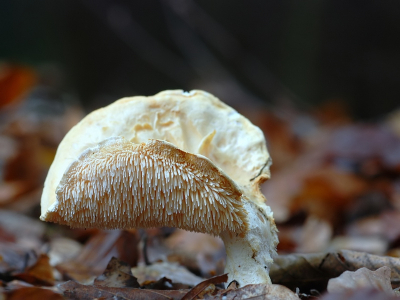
304	53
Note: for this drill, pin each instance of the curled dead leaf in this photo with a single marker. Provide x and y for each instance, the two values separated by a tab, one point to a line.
362	278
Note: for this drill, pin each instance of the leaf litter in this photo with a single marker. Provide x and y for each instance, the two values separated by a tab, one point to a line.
335	188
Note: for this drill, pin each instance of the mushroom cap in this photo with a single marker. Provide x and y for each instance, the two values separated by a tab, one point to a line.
195	123
119	184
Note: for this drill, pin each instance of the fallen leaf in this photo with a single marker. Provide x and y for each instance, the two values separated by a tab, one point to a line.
257	291
117	274
15	82
198	290
33	293
312	271
327	192
41	273
164	283
369	244
98	251
62	249
386	224
315	235
362	278
173	271
15	258
16	284
283	144
360	294
360	143
27	231
200	253
73	290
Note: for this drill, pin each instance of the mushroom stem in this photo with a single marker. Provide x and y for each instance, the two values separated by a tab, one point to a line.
249	258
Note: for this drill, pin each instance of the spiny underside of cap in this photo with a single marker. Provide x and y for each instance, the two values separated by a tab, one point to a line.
119	184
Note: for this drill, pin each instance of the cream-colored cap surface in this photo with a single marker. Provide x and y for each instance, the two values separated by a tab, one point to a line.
195	122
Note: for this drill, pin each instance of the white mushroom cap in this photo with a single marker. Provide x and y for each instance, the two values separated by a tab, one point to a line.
195	122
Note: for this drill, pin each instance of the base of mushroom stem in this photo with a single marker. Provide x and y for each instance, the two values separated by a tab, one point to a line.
249	258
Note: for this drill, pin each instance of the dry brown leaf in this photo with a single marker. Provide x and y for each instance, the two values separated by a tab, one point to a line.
308	185
199	252
16	284
257	291
312	271
362	278
360	294
173	271
386	224
33	293
62	249
73	290
98	251
283	144
327	192
370	244
15	258
366	144
11	190
41	273
205	287
117	274
23	172
15	82
315	235
164	283
26	231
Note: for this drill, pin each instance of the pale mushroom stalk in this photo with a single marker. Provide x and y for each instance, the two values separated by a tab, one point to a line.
176	159
249	258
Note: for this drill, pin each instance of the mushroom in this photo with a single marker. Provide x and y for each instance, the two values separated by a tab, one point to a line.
175	159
